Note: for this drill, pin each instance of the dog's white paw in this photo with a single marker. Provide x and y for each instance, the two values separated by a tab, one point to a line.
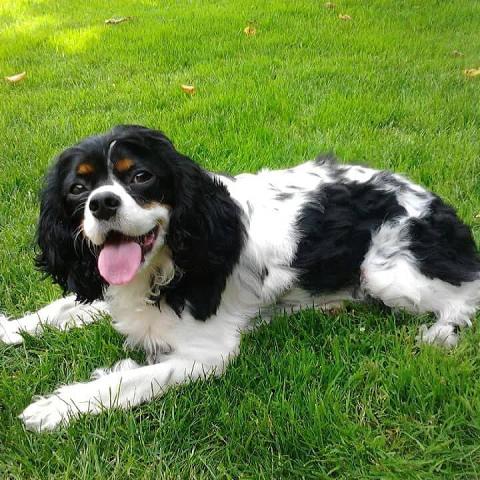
46	414
438	334
67	403
9	331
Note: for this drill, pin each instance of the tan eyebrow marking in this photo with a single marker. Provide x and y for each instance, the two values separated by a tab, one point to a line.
85	169
123	164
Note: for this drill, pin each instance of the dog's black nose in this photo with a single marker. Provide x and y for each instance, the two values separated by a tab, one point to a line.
104	205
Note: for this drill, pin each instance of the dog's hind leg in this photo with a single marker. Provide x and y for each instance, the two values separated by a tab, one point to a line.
63	314
403	286
393	276
454	307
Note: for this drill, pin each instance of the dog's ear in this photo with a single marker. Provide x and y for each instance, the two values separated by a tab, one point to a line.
204	218
72	265
205	236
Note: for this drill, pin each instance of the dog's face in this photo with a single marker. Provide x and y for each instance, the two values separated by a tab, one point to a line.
124	198
106	208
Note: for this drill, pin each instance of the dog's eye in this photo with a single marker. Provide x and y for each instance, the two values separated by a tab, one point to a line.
142	177
77	189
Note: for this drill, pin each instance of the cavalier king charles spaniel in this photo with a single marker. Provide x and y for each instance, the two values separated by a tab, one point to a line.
184	259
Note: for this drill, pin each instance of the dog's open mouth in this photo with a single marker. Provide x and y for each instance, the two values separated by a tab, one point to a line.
121	256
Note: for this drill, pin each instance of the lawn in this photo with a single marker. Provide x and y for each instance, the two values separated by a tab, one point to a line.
348	395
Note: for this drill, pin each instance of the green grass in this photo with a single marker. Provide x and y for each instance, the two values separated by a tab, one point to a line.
311	396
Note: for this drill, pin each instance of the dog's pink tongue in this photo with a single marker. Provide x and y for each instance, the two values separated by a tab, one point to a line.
119	262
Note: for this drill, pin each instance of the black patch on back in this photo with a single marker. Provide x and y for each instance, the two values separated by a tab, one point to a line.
336	229
443	245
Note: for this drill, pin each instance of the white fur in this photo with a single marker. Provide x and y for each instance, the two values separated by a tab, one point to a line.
180	347
130	219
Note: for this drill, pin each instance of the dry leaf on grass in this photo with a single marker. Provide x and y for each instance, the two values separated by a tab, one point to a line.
330	5
117	20
16	78
190	89
344	16
457	53
472	72
249	31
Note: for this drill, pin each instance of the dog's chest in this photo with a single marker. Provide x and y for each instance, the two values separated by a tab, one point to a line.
143	324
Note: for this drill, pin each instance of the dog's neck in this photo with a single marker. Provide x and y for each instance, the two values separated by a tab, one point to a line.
147	286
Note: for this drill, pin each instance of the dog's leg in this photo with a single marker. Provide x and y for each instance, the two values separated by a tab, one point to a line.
454	309
130	386
63	314
401	284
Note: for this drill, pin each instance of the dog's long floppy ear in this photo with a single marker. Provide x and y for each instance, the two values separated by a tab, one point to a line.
205	236
71	265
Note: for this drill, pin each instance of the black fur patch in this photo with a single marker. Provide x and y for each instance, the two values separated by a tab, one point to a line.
337	226
444	246
206	236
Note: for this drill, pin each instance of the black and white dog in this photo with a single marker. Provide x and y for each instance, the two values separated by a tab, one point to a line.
183	259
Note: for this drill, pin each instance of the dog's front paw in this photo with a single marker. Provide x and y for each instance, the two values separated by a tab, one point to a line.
9	331
442	335
67	403
46	413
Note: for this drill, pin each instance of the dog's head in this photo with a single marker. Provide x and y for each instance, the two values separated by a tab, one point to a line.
111	202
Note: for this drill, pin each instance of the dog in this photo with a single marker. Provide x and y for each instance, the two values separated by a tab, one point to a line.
183	259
